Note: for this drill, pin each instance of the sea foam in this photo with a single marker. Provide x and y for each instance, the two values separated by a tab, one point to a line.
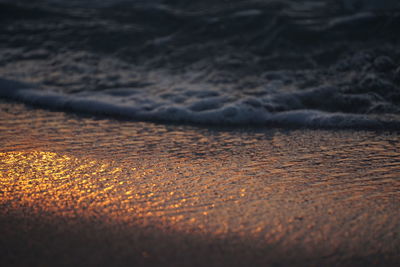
318	64
198	107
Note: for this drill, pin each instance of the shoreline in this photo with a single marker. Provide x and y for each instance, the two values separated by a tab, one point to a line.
390	126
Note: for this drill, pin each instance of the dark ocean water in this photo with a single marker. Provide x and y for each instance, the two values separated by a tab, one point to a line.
329	64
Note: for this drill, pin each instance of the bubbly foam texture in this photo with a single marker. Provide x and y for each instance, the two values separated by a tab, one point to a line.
206	107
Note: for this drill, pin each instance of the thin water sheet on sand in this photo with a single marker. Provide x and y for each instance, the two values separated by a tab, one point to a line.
86	191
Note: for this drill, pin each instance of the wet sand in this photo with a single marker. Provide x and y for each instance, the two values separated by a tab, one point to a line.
83	191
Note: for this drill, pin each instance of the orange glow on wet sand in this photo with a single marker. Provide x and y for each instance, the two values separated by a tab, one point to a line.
261	197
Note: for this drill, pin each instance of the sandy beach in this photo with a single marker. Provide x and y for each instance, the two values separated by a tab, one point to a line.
199	133
84	191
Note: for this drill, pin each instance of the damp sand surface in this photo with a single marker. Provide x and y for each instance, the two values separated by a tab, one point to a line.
84	191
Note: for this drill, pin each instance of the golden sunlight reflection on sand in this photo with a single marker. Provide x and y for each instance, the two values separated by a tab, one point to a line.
90	188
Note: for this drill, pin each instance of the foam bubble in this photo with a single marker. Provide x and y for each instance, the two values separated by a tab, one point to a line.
201	107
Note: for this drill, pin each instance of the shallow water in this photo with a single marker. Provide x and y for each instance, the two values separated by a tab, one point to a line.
270	196
315	64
